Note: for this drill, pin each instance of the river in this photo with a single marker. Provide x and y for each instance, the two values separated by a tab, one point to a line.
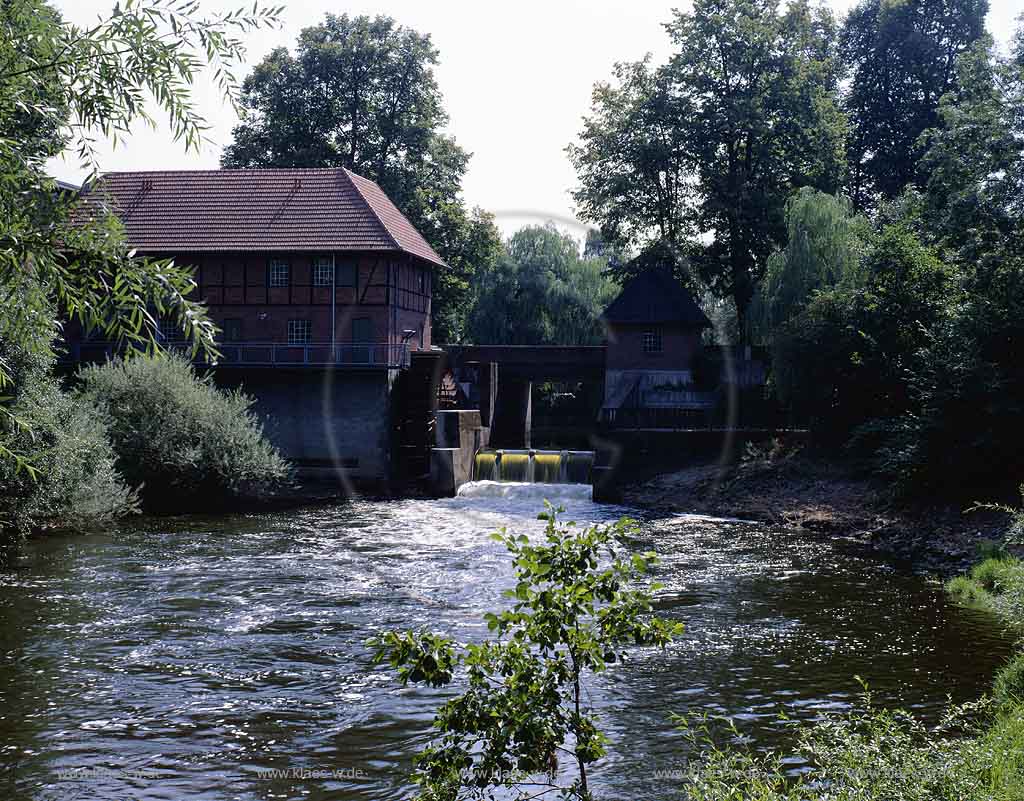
184	657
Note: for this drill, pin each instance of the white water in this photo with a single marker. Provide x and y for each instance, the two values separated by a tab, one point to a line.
520	490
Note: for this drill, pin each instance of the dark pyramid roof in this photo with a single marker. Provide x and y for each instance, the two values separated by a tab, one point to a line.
655	297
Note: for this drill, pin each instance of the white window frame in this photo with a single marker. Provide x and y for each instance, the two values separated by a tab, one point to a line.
279	274
300	332
323	271
651	341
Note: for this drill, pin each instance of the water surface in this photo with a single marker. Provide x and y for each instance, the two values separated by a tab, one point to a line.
200	653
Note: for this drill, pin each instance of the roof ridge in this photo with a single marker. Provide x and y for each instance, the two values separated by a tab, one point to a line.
351	176
220	170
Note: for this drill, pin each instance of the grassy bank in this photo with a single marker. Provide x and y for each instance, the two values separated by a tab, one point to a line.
975	754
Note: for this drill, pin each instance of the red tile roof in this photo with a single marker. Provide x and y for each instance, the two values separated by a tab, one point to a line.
256	210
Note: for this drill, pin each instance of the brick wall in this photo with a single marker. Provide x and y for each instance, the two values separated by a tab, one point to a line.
626	352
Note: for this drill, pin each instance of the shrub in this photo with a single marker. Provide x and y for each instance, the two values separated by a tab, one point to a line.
179	436
575	608
72	482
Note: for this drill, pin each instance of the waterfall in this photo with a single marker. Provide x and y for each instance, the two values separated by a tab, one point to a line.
534	467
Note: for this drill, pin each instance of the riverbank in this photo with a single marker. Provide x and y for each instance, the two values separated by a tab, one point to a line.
870	753
827	496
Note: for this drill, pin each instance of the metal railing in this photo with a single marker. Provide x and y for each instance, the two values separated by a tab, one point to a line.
353	355
658	417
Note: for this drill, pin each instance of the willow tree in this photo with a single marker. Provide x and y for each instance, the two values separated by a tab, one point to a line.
825	245
541	291
63	86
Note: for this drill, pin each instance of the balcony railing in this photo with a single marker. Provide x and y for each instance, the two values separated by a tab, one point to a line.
354	355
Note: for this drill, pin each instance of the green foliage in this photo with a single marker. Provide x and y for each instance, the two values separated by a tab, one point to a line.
1008	689
701	154
541	292
967	382
575	609
634	162
183	439
61	87
360	93
912	45
874	754
825	247
73	483
996	584
850	308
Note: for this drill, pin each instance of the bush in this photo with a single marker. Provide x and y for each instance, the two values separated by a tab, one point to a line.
73	482
577	604
181	437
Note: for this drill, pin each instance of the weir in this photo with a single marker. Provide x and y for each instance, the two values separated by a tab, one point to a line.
534	466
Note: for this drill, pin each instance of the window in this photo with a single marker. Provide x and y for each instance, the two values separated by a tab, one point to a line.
232	330
169	329
422	274
362	329
347	272
280	273
323	271
652	341
299	332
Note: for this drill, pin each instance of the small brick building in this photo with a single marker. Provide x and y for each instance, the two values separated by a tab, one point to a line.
654	335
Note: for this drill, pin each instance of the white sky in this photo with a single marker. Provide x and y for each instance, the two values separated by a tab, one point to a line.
516	79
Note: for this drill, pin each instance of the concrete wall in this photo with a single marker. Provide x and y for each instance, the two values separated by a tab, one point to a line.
459	436
623	457
322	418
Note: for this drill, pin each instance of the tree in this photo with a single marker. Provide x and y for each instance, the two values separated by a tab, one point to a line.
850	308
974	165
576	608
963	433
540	291
360	93
762	86
901	58
634	163
825	245
61	86
743	114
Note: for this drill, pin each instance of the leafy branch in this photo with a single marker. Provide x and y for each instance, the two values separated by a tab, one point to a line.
576	609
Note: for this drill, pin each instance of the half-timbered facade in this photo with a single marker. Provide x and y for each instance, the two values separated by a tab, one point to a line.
296	266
